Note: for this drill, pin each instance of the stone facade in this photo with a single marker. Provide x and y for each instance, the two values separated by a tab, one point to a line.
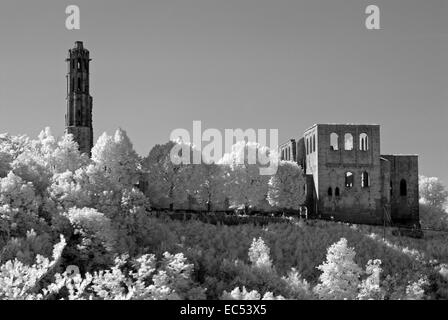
349	180
78	119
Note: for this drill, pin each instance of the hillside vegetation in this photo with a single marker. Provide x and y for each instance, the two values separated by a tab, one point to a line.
79	228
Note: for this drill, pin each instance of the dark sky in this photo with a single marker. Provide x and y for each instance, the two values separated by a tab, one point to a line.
159	65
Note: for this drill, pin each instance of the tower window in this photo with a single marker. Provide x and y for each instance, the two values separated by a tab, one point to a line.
334	141
348	141
348	179
314	142
307	146
336	192
363	142
364	179
403	188
79	65
330	192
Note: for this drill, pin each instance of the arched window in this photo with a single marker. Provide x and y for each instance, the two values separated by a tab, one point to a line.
364	179
307	146
403	188
334	141
363	142
314	142
283	155
336	192
79	64
348	141
349	179
330	192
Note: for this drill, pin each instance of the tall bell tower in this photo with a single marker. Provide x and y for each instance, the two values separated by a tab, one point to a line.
78	119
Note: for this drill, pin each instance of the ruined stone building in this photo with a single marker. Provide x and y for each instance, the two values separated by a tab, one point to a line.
348	179
78	119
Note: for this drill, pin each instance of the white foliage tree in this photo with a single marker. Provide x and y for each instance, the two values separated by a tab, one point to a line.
117	157
432	191
370	288
66	156
16	193
67	191
244	294
416	290
89	223
286	187
259	254
207	184
21	282
340	274
44	157
34	164
168	173
245	186
10	148
299	288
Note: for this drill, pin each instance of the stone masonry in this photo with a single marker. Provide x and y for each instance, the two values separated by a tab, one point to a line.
78	119
349	180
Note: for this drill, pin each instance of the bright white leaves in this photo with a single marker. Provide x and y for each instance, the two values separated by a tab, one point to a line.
168	181
259	254
246	187
117	157
244	294
18	281
432	191
16	193
286	187
340	274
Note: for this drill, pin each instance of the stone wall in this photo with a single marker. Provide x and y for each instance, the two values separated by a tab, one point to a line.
329	167
404	196
288	150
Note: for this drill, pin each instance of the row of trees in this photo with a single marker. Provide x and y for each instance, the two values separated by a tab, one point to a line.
51	165
57	167
49	172
234	181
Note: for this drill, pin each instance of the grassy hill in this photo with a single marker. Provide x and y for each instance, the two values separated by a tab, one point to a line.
220	253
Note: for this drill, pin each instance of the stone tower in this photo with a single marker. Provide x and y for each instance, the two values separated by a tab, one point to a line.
78	119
